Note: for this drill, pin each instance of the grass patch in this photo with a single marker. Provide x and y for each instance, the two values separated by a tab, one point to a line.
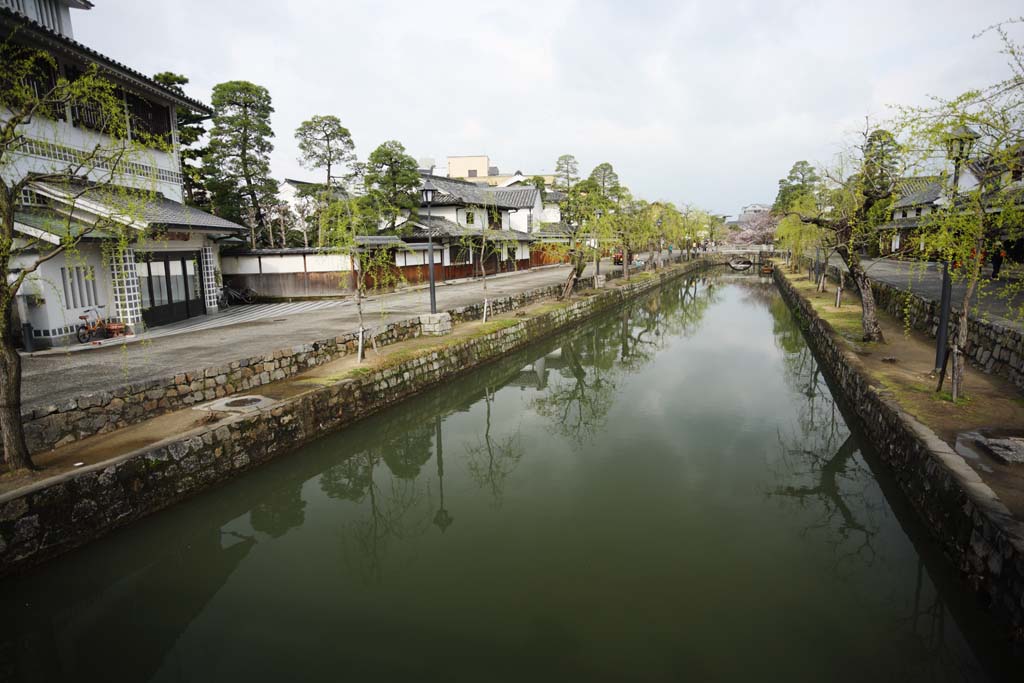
497	325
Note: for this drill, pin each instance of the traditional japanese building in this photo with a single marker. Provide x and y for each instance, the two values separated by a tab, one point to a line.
166	263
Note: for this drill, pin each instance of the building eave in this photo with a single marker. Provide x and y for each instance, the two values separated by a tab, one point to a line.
53	41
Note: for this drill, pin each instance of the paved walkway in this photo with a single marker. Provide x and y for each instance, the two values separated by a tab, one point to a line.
257	329
1000	301
236	315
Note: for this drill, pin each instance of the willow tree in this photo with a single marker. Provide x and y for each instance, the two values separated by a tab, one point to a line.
981	134
851	205
33	94
346	225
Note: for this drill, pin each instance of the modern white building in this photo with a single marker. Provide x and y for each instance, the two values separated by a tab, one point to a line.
146	258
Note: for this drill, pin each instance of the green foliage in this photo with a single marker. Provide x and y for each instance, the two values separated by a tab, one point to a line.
237	158
796	235
391	179
538	182
567	172
191	130
606	179
325	144
802	179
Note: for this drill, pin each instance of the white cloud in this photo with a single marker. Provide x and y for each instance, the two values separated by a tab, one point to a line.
693	101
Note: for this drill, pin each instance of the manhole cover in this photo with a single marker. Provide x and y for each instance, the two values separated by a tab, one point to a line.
242	402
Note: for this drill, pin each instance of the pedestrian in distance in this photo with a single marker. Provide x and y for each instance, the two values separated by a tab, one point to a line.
997	260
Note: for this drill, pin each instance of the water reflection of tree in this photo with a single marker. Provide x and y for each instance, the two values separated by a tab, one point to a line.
823	471
820	459
593	362
396	508
577	403
279	511
493	459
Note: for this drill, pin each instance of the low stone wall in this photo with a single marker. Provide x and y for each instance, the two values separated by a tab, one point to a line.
50	517
52	425
975	529
991	347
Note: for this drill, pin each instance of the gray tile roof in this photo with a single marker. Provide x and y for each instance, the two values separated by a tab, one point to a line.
516	197
446	228
918	191
452	192
10	19
56	224
155	209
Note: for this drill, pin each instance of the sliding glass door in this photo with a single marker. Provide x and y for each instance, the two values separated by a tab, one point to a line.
170	285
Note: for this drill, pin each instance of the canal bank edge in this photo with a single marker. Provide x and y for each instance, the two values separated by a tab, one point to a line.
47	518
976	531
77	417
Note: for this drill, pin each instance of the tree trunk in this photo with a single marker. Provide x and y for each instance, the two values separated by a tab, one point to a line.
960	341
869	311
15	450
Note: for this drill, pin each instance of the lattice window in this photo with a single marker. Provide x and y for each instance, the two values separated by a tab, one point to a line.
210	288
30	198
48	150
125	283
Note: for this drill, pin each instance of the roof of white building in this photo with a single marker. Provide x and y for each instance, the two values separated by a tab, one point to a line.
142	209
452	192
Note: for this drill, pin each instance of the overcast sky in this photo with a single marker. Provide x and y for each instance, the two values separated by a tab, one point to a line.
704	102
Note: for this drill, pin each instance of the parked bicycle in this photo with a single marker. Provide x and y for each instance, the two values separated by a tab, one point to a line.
92	325
229	295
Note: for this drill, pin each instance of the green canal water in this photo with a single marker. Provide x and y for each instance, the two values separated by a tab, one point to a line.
668	492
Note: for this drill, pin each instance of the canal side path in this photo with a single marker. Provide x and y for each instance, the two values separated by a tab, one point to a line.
902	367
54	377
1001	301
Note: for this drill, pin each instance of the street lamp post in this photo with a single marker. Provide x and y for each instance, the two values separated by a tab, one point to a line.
427	192
597	245
958	147
660	243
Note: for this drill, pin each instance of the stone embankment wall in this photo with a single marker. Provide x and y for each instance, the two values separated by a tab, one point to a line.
48	518
974	528
992	347
52	425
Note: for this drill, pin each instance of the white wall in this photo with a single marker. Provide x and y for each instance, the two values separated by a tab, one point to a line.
552	213
286	263
63	306
63	134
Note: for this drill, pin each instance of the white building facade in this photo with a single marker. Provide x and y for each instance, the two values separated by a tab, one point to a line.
154	260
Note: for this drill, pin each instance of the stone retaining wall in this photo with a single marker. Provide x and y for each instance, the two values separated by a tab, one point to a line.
50	517
56	424
991	347
974	528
